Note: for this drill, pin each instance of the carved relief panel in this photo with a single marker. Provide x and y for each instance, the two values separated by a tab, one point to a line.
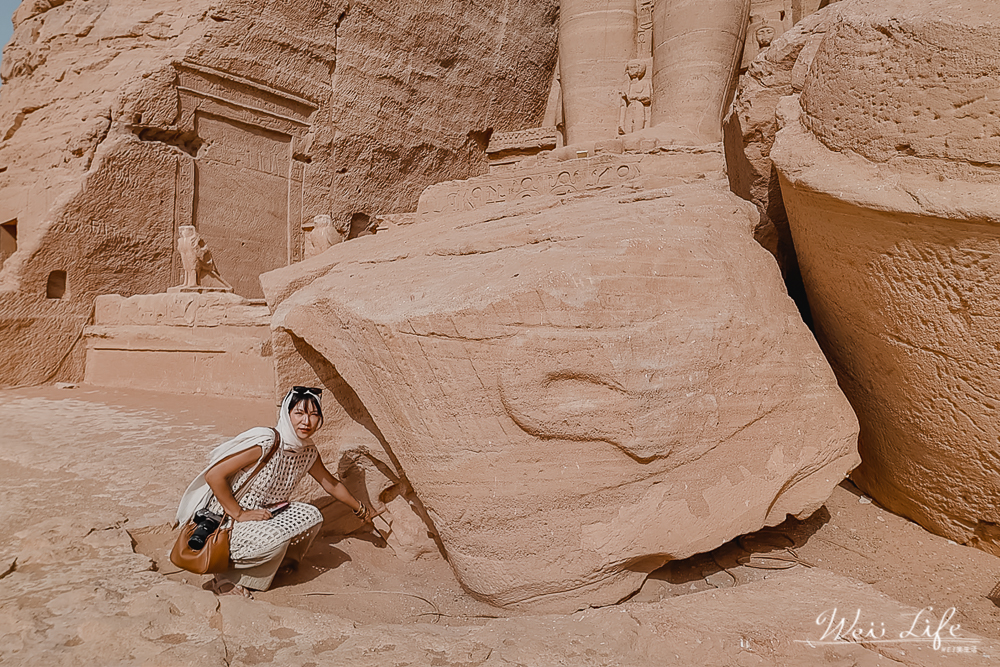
769	19
241	199
242	187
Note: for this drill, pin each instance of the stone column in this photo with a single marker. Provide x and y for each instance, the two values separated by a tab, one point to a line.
596	39
696	54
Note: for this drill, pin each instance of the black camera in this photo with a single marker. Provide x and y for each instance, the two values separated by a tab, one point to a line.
207	523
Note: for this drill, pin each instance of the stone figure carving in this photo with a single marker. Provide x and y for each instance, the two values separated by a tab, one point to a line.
764	35
636	99
692	68
762	32
322	234
197	261
554	109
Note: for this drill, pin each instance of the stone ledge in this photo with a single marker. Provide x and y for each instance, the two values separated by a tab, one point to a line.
183	343
180	310
227	360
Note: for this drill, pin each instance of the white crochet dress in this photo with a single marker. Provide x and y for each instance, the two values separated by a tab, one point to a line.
273	484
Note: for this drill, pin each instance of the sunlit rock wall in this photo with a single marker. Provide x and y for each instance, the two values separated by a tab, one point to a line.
122	120
889	165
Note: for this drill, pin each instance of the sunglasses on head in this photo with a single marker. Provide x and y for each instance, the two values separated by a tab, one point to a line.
315	391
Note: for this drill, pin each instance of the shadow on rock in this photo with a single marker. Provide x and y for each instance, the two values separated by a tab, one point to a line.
748	558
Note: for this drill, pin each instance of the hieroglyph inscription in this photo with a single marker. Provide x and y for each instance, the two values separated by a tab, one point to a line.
644	29
532	138
561	179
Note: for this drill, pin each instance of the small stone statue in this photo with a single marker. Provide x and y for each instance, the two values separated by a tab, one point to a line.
763	32
635	106
764	35
322	235
197	261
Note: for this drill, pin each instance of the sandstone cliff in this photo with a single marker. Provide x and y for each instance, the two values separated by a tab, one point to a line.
123	120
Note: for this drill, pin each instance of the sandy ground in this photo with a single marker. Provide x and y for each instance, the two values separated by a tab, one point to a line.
856	538
102	461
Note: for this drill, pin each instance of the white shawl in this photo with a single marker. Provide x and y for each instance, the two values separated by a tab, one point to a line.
199	494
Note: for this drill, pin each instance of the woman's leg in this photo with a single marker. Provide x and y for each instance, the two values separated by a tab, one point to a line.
258	572
301	543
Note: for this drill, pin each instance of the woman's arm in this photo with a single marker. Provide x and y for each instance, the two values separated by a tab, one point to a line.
217	480
335	488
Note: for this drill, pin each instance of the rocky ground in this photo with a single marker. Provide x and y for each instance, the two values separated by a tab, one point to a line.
90	478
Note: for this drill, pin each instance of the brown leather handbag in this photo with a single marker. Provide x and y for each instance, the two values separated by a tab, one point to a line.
214	556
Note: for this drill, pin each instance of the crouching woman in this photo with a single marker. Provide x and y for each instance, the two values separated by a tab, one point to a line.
267	529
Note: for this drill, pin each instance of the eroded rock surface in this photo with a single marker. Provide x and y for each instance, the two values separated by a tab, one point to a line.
580	389
889	173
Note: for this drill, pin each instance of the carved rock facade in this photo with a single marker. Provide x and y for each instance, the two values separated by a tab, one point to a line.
245	118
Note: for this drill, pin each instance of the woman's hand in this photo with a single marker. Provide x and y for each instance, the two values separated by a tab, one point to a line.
253	515
366	515
335	488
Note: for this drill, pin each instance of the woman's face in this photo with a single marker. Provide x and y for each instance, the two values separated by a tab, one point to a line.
305	418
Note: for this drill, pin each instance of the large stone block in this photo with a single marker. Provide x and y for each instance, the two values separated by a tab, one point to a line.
212	343
581	389
889	174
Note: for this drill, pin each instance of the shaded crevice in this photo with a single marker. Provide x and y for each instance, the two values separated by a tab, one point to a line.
16	125
10	569
487	251
102	135
189	142
481	138
336	41
443	336
19	120
361	225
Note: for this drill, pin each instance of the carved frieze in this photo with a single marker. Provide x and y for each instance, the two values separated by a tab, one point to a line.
557	179
532	139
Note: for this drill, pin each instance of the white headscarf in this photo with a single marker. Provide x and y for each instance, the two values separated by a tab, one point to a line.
199	494
289	439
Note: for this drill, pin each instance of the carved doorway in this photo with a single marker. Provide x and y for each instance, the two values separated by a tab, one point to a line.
241	199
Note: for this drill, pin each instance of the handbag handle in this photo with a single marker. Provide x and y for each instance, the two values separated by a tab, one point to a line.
245	484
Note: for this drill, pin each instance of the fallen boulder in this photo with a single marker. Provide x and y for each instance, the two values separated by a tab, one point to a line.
579	389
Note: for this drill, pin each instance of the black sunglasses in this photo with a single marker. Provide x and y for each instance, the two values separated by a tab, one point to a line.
315	391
